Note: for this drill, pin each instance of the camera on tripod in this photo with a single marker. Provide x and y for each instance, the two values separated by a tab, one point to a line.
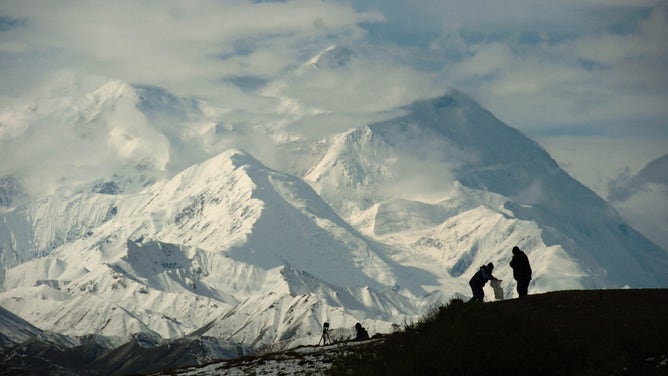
325	334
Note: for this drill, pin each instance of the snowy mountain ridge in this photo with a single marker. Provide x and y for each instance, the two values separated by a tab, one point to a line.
392	217
209	238
464	145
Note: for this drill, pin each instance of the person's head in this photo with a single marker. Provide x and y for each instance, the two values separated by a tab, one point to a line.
358	326
490	266
516	250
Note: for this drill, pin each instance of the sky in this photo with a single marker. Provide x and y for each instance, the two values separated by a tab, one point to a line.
588	79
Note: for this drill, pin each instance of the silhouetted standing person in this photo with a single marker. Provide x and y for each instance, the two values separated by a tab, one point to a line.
479	280
521	271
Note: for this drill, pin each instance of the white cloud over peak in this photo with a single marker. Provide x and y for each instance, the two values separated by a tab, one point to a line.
534	64
588	71
184	46
566	67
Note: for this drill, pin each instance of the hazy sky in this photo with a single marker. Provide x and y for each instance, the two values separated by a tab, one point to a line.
587	78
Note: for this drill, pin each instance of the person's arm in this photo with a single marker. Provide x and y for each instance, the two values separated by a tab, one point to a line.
487	276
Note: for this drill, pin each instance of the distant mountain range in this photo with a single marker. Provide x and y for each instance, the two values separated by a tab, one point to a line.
384	221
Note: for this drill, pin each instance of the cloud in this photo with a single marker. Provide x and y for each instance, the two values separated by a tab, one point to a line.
653	176
624	186
531	195
584	71
182	46
567	65
238	55
643	203
536	65
354	91
78	132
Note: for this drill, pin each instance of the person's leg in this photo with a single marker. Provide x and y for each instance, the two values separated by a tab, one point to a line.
478	293
523	287
473	291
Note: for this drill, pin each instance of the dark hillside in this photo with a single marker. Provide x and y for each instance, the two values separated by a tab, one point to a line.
592	332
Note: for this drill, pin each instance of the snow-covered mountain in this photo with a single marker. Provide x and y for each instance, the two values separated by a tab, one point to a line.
642	199
14	329
175	238
451	182
227	247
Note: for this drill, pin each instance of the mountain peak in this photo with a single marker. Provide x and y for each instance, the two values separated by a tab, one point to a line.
332	57
656	171
450	140
10	191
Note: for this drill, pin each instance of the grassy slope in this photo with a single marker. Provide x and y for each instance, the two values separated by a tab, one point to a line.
594	332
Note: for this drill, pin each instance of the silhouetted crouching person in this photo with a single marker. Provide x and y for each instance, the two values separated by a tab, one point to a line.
521	271
362	334
479	280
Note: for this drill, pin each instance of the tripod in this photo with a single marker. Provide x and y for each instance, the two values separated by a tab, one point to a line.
325	335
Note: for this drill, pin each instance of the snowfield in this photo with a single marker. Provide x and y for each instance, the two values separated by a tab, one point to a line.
385	221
